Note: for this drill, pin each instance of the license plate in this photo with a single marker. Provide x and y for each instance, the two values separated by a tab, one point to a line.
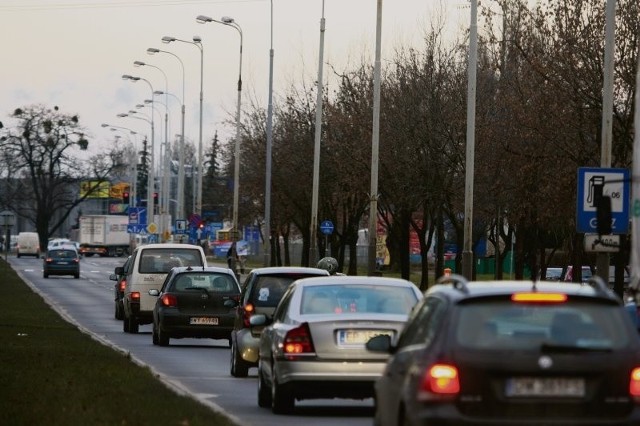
63	263
203	321
545	387
359	337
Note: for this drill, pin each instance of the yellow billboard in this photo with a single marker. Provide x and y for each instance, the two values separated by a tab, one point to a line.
95	189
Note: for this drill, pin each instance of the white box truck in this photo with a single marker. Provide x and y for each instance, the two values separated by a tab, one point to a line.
104	235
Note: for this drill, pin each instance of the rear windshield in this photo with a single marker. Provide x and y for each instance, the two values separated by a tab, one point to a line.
212	282
161	260
503	324
62	254
269	289
338	299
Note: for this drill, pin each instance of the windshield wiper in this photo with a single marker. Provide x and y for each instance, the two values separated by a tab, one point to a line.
553	347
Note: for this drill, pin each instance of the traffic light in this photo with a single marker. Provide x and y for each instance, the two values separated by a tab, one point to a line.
155	198
125	197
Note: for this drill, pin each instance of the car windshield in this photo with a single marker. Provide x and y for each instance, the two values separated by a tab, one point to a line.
160	261
503	324
212	282
62	254
339	299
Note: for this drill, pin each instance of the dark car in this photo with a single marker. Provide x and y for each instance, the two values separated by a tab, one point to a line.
262	290
512	353
120	277
196	302
61	261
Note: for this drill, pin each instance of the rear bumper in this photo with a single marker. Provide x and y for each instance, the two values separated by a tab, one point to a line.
177	326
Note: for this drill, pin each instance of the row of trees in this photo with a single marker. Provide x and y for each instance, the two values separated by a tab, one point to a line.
539	112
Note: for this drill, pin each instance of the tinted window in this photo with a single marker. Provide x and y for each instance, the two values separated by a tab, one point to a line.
336	299
502	324
423	324
268	289
215	283
160	261
62	254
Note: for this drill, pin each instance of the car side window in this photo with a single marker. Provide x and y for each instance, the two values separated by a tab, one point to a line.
422	327
280	313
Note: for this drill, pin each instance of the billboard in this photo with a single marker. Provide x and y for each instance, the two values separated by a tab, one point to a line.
95	189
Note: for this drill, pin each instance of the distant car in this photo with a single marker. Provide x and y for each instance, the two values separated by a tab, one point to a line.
512	353
553	274
120	277
28	244
586	274
314	346
195	302
261	292
57	243
61	261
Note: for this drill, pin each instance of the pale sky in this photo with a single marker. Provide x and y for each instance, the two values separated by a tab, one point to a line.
72	53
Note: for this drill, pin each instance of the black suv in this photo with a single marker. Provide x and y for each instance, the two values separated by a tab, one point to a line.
512	353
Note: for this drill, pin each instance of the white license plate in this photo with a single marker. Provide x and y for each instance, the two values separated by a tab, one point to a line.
545	387
203	321
63	263
359	337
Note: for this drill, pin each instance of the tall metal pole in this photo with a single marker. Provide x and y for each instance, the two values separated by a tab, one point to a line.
467	253
236	167
313	229
200	153
602	258
375	142
267	191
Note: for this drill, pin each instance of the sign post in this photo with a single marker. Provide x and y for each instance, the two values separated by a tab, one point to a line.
326	227
7	220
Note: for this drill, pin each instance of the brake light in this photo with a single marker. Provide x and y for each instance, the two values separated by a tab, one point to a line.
169	300
439	380
248	311
536	297
135	296
122	285
298	341
48	260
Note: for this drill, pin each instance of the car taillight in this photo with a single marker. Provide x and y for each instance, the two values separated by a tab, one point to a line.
298	341
76	260
246	314
48	260
439	380
634	383
123	284
169	300
135	296
536	297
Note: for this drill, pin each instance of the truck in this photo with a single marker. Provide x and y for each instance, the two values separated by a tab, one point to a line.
104	235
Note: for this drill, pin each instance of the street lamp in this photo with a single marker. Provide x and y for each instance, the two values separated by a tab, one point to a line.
197	41
225	20
151	176
267	192
180	212
167	165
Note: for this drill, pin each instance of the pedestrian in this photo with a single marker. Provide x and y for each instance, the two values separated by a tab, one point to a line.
232	257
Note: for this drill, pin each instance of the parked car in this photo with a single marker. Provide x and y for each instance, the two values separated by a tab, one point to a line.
149	267
262	290
61	261
314	346
512	352
553	274
197	303
28	244
120	277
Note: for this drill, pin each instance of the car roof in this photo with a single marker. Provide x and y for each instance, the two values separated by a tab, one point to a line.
168	245
270	270
458	288
211	269
354	280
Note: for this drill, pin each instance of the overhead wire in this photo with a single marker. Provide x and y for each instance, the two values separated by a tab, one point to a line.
23	5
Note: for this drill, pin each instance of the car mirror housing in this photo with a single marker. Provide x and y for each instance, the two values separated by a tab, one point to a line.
113	277
258	320
381	343
154	292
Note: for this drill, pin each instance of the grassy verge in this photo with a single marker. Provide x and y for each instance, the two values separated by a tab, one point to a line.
53	374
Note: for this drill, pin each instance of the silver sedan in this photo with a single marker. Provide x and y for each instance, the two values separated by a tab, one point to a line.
314	345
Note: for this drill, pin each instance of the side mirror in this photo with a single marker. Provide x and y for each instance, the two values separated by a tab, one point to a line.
230	303
154	292
113	277
258	320
119	270
381	343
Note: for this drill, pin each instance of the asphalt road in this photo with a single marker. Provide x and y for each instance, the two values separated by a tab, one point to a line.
199	367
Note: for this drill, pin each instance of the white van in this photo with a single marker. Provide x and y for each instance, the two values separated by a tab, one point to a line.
147	270
28	244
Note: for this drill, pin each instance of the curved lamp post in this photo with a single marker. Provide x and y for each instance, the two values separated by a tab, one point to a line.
197	41
151	177
236	169
180	213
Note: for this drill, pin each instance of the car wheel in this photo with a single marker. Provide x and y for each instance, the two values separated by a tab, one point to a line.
238	366
76	276
126	324
45	275
163	339
264	392
154	334
133	325
282	400
119	311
